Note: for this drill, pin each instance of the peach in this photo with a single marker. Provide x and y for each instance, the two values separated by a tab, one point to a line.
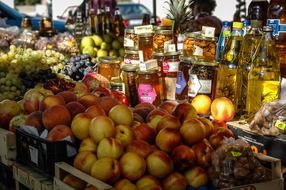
101	127
59	132
106	170
80	125
168	121
50	101
124	134
167	139
175	181
95	110
202	104
74	182
159	164
145	105
184	111
56	115
220	133
203	151
142	112
140	147
192	131
132	166
138	117
208	126
168	105
84	161
148	182
101	91
154	121
109	148
35	119
124	184
88	145
222	109
107	102
144	132
157	111
196	177
68	96
88	100
121	114
75	107
183	157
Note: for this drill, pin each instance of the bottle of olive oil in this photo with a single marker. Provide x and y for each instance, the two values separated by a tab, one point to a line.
249	46
264	76
227	72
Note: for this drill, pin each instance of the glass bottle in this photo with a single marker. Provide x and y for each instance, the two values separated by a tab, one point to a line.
264	76
93	22
249	46
246	27
129	75
227	71
223	38
79	26
118	24
146	45
276	15
99	15
257	10
107	21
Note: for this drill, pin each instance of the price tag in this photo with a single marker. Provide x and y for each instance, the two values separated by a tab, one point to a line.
208	31
141	56
143	29
34	154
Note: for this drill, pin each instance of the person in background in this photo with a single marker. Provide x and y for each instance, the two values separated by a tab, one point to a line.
202	11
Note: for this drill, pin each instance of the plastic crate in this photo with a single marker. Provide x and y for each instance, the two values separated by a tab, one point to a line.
42	154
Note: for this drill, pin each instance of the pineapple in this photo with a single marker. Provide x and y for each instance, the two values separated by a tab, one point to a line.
180	12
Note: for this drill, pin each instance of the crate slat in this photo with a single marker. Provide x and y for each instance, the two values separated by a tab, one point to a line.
7	147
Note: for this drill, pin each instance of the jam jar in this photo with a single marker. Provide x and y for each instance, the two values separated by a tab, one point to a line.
161	40
130	39
160	58
149	86
131	57
109	67
129	75
146	45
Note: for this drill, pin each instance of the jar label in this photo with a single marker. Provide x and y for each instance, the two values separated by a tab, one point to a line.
128	42
170	88
170	66
194	85
166	45
181	82
277	27
198	51
146	93
131	61
206	86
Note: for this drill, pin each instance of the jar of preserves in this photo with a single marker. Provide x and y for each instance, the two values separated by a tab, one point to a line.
131	57
130	39
161	40
199	47
183	77
149	86
129	75
146	45
109	67
160	58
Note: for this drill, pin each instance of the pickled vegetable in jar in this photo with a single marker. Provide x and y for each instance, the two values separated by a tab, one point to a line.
129	75
109	67
146	45
161	40
130	39
131	57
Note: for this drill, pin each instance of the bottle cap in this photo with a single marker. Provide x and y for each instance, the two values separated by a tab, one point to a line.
226	23
246	23
237	25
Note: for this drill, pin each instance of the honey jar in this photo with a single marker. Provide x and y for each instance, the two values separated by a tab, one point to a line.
161	40
130	39
129	75
131	57
146	45
109	67
160	58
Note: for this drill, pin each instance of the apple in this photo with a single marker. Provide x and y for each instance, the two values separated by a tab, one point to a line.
153	113
8	109
144	132
109	148
167	139
124	184
35	119
59	132
74	108
88	145
68	96
183	157
124	134
106	170
220	133
80	125
148	182
50	101
121	114
84	161
222	109
88	100
132	166
175	181
101	127
140	147
17	121
95	110
107	102
203	152
184	111
192	131
56	115
74	182
196	177
168	121
159	164
168	105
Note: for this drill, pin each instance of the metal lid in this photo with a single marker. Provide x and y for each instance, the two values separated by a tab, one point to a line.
167	32
146	35
151	71
173	53
158	54
199	36
194	61
109	60
130	67
133	52
163	28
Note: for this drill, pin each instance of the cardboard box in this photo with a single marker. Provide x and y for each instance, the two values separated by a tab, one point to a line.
268	145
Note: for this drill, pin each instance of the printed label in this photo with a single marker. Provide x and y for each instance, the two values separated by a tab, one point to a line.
166	44
146	93
131	61
277	27
128	42
180	46
208	31
170	88
34	154
143	29
181	82
206	86
170	66
198	51
194	85
270	91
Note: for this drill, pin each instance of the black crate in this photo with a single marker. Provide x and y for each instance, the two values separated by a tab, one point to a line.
6	176
42	154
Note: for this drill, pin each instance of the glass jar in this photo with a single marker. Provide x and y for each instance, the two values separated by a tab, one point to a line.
130	39
161	40
146	45
46	27
183	77
131	57
129	75
199	47
149	86
160	58
109	67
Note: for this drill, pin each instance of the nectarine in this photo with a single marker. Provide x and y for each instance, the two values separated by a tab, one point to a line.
59	132
80	125
121	114
109	148
56	115
101	127
84	161
50	101
159	164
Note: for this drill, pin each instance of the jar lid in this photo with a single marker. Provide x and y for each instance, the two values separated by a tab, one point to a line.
129	30
133	52
199	36
164	32
151	71
172	53
109	60
163	28
130	67
158	54
146	35
194	61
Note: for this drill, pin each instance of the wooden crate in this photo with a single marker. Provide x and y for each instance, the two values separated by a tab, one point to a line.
62	169
30	178
7	147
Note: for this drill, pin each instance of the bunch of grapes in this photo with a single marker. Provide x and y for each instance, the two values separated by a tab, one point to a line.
78	66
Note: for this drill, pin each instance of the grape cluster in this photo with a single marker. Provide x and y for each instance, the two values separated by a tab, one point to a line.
31	79
78	66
